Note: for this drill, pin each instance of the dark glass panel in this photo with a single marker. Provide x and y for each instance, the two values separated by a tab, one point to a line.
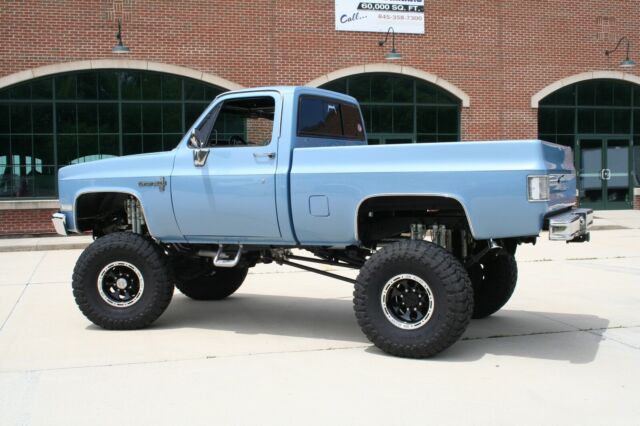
131	144
43	149
108	118
403	119
381	88
22	185
43	118
373	141
427	138
151	86
152	118
586	121
562	97
172	118
427	119
604	121
108	85
445	98
636	96
87	85
5	150
21	118
66	86
171	88
636	159
604	93
236	125
360	88
130	85
67	149
426	93
21	146
109	145
381	119
622	121
191	113
42	89
170	141
586	93
339	85
88	148
397	141
193	91
4	94
565	120
547	120
5	118
211	92
547	138
44	181
66	117
447	120
21	91
402	89
131	118
621	93
152	143
566	140
87	118
636	121
447	138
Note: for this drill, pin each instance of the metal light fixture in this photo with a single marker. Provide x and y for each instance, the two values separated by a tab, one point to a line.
120	47
627	63
393	55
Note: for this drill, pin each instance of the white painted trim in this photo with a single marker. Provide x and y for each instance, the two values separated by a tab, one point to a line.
29	204
91	64
591	75
395	69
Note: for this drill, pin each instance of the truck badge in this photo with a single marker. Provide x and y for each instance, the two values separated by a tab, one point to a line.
161	184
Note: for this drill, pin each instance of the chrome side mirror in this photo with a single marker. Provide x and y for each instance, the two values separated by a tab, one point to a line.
200	153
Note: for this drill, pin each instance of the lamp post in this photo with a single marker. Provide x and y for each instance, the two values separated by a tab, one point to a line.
120	47
393	54
627	62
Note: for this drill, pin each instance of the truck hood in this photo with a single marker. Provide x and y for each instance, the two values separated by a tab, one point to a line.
130	165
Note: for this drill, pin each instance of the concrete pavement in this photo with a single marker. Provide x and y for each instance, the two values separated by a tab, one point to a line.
286	349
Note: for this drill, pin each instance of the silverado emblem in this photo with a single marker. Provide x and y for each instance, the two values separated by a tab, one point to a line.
161	184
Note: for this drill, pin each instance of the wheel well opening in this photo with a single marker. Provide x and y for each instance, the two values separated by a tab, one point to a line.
389	217
101	211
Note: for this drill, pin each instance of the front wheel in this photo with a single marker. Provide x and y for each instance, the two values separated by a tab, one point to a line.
413	299
122	282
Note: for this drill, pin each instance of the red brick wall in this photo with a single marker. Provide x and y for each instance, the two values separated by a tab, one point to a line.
636	202
500	52
33	221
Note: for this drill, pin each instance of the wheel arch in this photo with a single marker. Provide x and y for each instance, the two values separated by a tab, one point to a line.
420	200
98	196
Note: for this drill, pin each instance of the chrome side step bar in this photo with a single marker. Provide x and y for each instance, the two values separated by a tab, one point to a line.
571	226
219	258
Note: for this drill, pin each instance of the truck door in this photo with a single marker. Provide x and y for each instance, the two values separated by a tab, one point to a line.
225	191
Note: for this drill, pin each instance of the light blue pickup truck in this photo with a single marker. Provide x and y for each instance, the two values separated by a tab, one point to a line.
432	228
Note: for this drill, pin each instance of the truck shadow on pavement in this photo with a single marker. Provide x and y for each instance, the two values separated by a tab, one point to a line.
566	337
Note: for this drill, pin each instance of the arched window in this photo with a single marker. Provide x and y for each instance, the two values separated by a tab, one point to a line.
401	109
600	120
54	121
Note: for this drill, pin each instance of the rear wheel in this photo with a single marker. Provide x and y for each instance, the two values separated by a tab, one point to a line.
215	284
494	281
121	281
413	299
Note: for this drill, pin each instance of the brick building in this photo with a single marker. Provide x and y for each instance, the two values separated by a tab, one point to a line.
489	69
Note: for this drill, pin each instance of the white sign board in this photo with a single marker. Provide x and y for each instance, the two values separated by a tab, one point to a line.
405	16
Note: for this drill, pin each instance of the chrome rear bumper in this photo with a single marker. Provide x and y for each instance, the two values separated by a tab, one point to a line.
59	223
571	226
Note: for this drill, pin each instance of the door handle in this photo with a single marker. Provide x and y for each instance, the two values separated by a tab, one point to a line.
269	155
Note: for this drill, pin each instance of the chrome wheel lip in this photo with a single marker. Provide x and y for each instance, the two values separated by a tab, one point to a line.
111	301
391	317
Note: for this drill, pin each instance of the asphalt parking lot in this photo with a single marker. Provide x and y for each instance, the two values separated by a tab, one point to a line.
286	349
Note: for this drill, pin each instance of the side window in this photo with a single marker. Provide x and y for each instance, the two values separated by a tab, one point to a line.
319	117
240	123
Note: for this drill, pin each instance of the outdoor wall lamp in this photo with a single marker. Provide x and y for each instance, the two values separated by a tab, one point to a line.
393	55
627	63
120	47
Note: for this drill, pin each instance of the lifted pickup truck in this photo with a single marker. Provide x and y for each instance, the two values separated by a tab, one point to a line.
432	228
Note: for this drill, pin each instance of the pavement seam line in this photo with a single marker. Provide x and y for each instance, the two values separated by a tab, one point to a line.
24	289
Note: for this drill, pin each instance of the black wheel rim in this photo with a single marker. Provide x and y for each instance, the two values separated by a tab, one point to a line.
407	301
120	284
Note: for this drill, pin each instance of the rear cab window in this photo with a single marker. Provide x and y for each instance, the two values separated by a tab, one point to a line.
328	122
